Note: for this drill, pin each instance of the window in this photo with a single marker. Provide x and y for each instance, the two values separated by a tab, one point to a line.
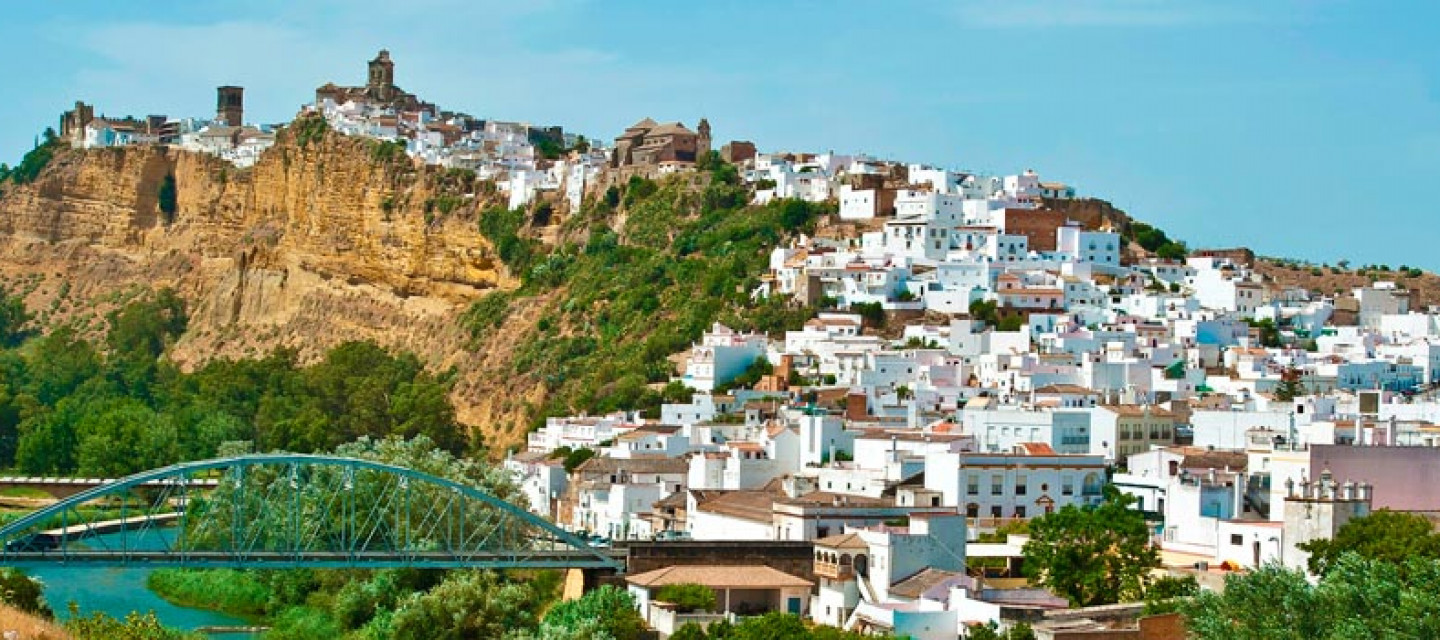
995	511
972	486
997	485
1019	512
1020	485
1237	539
1067	486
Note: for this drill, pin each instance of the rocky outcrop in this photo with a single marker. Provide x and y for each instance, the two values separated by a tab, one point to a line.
317	244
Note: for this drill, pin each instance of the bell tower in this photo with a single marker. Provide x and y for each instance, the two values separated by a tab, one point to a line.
703	141
230	105
382	76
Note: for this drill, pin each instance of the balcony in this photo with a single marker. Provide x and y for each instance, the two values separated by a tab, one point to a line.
834	570
839	565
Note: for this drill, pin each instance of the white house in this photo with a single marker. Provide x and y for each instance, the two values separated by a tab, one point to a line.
1032	480
721	356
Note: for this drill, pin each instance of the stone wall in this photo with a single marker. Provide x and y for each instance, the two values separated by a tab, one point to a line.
796	558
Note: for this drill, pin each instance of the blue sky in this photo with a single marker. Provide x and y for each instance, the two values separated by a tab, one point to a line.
1308	129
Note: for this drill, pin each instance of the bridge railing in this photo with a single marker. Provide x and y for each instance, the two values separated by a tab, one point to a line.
291	510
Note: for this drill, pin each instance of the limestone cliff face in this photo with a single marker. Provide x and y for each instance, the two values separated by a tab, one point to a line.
317	244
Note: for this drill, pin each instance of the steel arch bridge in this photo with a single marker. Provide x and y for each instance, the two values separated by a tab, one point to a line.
288	511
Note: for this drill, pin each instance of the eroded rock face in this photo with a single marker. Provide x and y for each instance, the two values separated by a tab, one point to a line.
315	245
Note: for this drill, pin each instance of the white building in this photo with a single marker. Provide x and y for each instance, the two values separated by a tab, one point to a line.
721	356
1032	480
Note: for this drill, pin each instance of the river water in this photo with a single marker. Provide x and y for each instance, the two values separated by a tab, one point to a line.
118	591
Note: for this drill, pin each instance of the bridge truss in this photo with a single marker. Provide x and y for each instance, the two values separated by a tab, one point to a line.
287	511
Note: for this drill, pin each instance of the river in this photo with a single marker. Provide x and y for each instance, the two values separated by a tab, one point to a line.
118	591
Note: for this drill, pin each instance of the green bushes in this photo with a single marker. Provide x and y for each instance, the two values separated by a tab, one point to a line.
23	592
502	228
67	405
309	130
166	198
34	160
229	590
386	152
487	314
628	301
98	626
687	597
1155	241
573	458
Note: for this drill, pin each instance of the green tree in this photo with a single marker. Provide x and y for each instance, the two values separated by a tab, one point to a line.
1290	386
771	626
23	592
98	626
1271	603
1357	599
166	197
1093	555
991	631
1164	594
468	604
13	318
1269	333
690	631
984	311
873	313
687	597
124	438
1385	535
606	612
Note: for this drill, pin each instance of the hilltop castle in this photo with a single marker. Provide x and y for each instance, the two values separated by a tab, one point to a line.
379	89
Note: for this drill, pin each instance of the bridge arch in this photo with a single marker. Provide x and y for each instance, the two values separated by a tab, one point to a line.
292	510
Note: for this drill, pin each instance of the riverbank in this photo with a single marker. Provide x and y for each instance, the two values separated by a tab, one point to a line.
29	627
228	591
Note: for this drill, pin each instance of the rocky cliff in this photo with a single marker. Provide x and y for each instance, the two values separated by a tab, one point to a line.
326	239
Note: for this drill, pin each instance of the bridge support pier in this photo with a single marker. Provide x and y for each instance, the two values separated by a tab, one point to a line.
579	581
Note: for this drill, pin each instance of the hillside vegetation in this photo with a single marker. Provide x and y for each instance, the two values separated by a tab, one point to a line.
639	273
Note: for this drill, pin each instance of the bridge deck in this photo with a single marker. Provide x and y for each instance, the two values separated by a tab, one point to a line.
558	559
111	526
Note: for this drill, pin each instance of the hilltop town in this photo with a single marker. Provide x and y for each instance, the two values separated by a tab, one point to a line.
986	350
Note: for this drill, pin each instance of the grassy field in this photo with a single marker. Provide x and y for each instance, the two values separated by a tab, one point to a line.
25	492
28	627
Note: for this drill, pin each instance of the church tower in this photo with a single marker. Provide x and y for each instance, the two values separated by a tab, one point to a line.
702	144
230	105
382	76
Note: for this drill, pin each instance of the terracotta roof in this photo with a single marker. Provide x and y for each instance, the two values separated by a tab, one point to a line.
634	465
1204	458
753	505
1036	449
673	501
669	129
827	498
1134	410
842	541
643	124
775	429
735	577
